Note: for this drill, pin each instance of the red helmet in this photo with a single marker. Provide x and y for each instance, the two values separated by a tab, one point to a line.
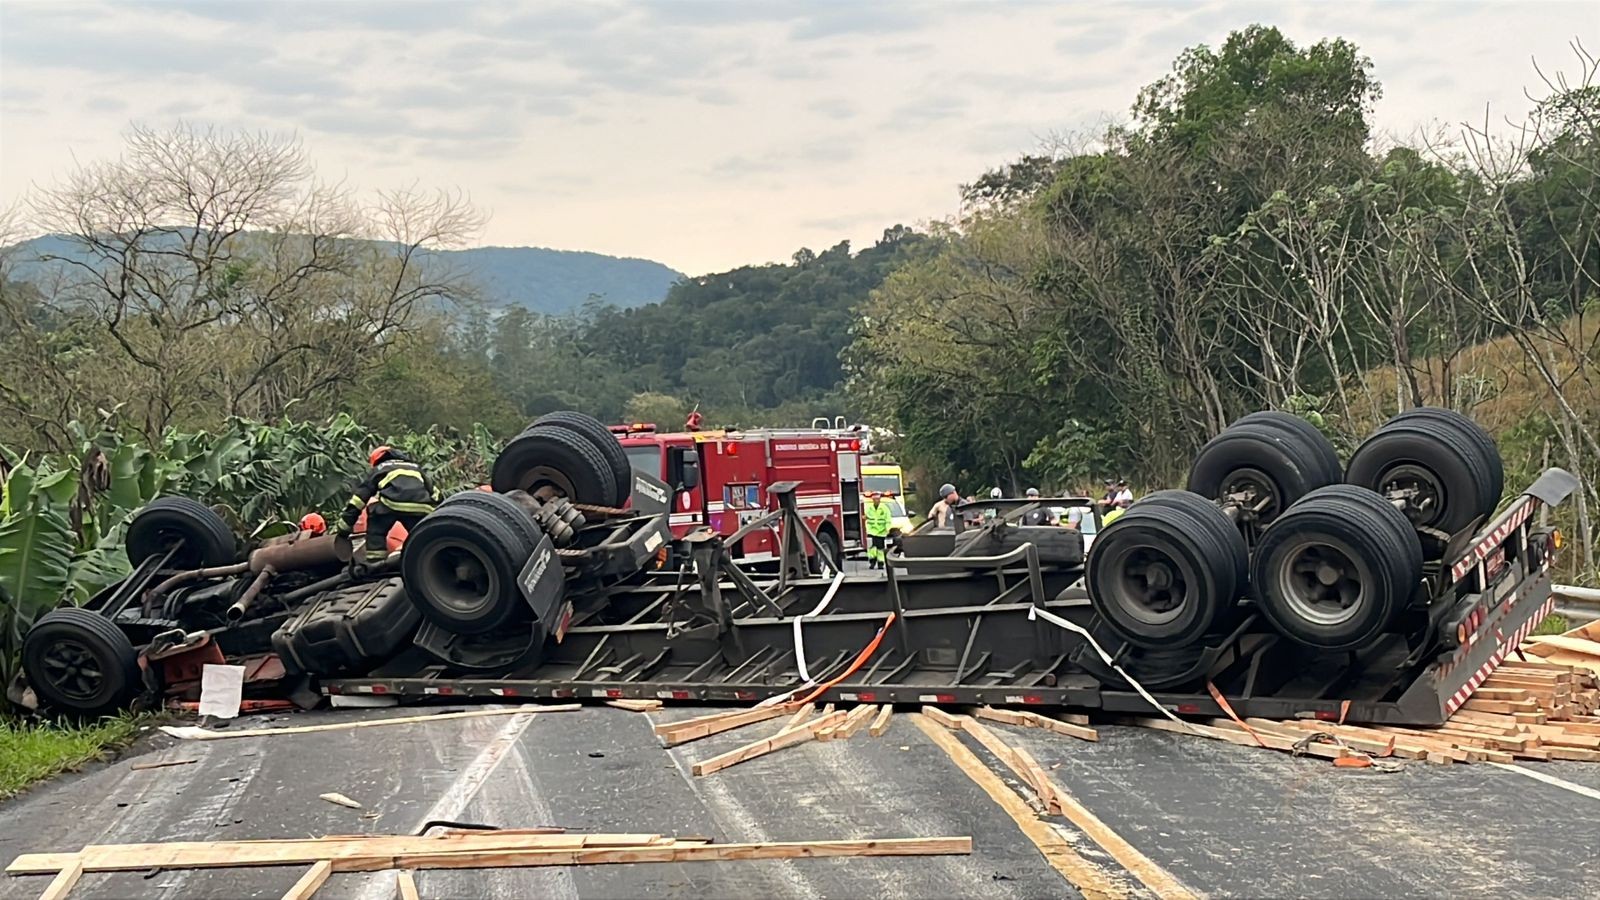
378	454
314	523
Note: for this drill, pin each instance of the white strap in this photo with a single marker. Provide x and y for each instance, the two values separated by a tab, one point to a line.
800	644
1053	619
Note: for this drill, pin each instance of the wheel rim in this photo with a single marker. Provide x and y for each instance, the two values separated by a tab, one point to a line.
533	478
1267	500
1152	584
459	578
73	670
1428	498
1321	582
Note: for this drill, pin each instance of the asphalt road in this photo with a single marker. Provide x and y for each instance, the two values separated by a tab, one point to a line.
1224	820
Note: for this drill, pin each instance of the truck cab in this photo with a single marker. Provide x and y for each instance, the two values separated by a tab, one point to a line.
731	471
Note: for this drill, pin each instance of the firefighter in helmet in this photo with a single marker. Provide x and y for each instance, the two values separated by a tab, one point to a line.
395	490
878	515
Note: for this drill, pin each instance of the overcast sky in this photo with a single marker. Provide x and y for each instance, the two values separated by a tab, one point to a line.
699	133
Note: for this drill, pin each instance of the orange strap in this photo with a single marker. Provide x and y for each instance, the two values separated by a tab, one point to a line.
866	654
1223	702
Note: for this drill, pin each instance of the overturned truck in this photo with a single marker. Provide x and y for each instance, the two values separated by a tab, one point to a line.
1280	583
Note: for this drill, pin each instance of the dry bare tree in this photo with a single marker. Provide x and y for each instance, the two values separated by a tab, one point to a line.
228	280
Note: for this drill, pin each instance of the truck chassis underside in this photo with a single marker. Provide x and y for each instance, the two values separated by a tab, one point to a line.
978	630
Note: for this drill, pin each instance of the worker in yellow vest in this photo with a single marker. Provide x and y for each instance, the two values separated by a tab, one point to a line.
878	516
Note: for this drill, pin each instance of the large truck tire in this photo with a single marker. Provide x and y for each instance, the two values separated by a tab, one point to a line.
205	537
556	457
1473	432
1315	441
1166	572
1337	569
604	441
1452	477
510	513
460	567
79	664
1278	465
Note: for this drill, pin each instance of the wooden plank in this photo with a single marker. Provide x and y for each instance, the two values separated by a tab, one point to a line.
1488	693
1003	716
694	731
65	880
1059	727
225	854
943	718
1073	718
161	764
881	723
315	877
407	884
754	749
677	853
1571	644
190	733
1499	706
802	714
636	705
1090	879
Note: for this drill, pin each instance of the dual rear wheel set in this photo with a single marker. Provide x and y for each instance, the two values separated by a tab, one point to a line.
1331	557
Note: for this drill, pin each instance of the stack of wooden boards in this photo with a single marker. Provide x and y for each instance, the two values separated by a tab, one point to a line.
446	850
1539	705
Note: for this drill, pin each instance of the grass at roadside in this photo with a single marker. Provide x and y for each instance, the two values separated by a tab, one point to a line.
30	753
1551	625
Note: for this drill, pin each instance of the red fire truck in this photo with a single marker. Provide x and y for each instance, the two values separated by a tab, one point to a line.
734	469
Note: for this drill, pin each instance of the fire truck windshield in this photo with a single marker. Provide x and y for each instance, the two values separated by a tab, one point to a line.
646	459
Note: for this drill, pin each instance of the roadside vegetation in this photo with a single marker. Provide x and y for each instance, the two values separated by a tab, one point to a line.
30	753
232	328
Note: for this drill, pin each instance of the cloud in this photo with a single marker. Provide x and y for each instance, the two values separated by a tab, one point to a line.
837	108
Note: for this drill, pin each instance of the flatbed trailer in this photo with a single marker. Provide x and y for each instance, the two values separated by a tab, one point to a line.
1007	629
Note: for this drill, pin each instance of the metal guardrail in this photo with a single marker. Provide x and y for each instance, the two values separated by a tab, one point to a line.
1576	604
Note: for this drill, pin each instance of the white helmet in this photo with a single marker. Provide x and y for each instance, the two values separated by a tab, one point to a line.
995	494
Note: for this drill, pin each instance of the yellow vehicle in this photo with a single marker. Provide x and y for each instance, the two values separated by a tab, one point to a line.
888	478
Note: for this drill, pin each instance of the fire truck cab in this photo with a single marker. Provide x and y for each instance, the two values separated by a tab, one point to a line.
721	479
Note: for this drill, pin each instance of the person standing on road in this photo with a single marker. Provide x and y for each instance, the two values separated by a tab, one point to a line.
949	499
395	490
1039	515
878	516
1124	496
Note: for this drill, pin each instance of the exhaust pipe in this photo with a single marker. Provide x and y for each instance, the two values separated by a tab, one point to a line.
242	605
300	551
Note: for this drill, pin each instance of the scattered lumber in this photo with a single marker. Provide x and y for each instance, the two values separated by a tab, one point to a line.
407	884
1027	719
754	749
853	721
636	705
675	733
803	714
192	733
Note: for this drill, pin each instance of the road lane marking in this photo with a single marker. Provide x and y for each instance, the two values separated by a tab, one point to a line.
1551	780
382	885
1093	881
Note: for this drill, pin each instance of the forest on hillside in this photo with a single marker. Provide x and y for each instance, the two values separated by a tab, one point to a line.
1243	240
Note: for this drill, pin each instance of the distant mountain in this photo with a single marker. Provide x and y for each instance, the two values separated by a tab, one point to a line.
543	280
